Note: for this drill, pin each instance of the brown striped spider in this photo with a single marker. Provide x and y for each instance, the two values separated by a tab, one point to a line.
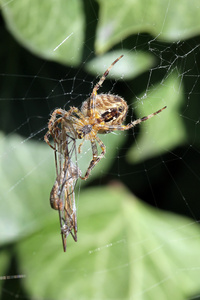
101	113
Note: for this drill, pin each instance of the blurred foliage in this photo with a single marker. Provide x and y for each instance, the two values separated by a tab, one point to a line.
166	20
126	249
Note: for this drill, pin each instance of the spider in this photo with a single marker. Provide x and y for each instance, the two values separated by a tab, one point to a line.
103	113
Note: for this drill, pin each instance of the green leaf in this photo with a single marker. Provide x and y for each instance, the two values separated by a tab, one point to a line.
41	26
164	131
166	20
132	65
125	250
25	177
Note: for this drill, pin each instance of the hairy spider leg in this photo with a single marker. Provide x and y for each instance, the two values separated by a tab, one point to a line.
51	125
91	107
140	120
99	84
96	158
134	123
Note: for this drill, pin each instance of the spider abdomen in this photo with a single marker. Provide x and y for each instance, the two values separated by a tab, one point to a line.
111	109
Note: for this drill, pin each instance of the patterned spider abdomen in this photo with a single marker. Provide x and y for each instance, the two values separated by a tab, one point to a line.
111	109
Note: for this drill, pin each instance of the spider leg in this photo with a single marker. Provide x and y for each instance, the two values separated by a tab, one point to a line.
99	84
134	123
56	112
79	147
91	104
54	123
51	125
96	158
140	120
46	139
76	111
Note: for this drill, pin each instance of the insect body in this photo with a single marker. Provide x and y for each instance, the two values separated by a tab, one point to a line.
62	196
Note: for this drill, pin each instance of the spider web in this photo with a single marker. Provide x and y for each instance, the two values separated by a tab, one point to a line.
138	232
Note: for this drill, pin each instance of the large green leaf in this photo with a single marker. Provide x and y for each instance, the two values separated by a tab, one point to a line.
125	250
166	20
164	131
41	26
26	170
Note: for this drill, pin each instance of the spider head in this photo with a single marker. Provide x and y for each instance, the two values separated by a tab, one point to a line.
84	130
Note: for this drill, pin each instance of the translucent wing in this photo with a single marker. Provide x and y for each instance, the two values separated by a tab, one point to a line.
62	196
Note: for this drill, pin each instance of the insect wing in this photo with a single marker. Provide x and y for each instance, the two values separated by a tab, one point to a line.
67	215
62	196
